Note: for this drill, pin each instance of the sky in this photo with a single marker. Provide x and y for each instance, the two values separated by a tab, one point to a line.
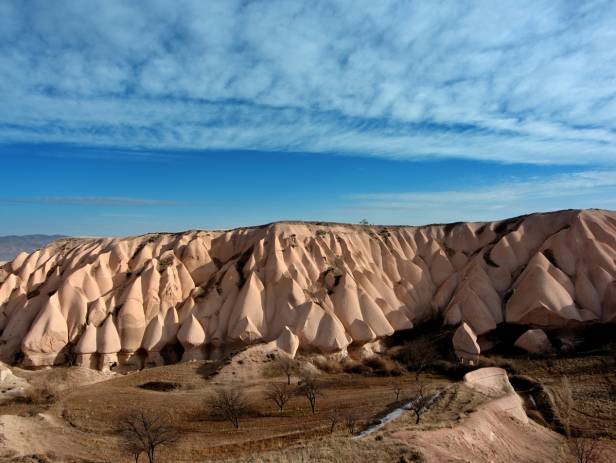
122	117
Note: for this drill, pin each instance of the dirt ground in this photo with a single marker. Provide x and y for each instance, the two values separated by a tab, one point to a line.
85	418
592	379
80	424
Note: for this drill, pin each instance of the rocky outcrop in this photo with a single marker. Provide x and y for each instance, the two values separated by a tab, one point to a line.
309	287
534	342
465	343
192	337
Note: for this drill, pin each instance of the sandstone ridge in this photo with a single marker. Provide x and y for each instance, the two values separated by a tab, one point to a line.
316	287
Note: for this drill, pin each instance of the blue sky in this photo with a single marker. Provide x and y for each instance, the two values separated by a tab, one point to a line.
122	117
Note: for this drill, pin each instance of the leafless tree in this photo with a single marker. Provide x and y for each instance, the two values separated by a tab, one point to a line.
287	366
333	417
310	388
419	402
397	387
278	393
420	357
145	431
229	403
134	448
567	402
350	420
585	449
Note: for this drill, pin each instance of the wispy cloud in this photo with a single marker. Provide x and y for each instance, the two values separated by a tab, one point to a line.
593	188
90	201
529	81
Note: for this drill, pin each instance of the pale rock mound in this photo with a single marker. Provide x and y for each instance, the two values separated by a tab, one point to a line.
491	379
287	342
465	343
534	342
11	386
192	337
85	350
108	344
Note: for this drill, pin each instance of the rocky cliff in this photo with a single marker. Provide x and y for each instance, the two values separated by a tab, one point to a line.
321	287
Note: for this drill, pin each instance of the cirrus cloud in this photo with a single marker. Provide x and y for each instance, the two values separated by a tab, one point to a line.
517	81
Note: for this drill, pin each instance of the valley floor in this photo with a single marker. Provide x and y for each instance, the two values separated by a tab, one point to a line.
81	424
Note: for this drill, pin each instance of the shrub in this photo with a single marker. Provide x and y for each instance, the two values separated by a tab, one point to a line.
354	367
327	364
382	366
41	394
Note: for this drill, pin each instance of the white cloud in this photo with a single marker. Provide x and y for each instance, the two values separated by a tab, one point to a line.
592	188
513	81
90	201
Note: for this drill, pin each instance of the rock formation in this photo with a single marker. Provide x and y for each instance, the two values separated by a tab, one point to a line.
534	342
308	286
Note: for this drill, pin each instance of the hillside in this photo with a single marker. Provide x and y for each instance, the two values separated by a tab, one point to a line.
317	287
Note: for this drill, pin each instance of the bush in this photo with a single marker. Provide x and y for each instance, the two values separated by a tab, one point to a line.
354	367
376	363
40	394
451	370
382	366
327	364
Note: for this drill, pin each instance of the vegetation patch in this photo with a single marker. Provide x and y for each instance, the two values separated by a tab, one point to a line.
160	386
165	262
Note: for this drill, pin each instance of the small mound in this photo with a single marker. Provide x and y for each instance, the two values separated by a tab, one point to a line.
160	386
489	380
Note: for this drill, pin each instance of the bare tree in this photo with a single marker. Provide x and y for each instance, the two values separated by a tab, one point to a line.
287	366
229	403
419	358
134	448
350	420
585	449
145	431
278	393
333	417
567	402
420	402
310	389
397	390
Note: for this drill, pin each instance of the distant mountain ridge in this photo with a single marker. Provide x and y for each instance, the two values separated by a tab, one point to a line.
11	245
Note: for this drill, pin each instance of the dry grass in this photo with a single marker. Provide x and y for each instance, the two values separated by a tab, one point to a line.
41	394
592	381
92	412
340	449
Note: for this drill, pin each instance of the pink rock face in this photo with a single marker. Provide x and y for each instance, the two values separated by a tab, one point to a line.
534	342
287	342
191	333
465	342
328	285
